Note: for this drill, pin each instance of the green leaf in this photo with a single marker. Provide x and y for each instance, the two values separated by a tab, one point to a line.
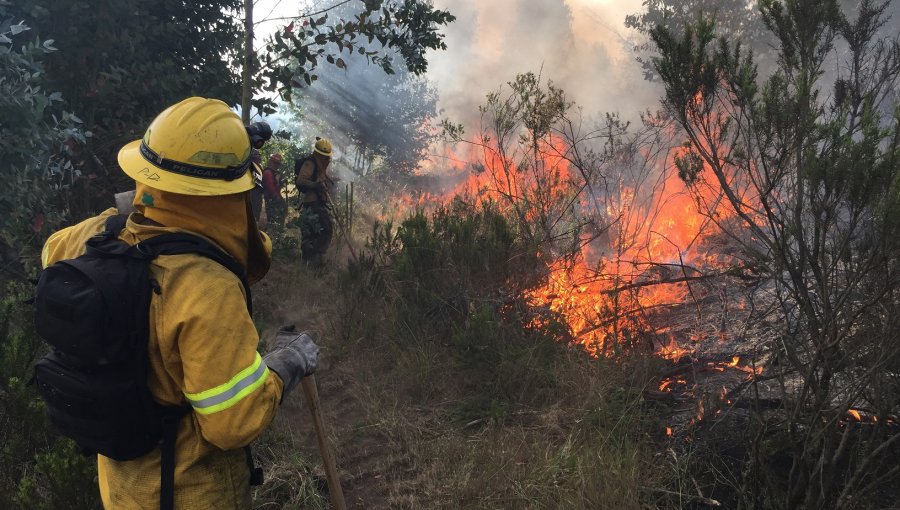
18	29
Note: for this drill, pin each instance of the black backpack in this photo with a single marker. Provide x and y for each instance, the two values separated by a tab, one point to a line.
94	311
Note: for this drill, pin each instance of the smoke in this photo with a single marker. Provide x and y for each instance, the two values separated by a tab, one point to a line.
581	46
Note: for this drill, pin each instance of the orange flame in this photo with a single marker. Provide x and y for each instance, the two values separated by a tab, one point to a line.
607	292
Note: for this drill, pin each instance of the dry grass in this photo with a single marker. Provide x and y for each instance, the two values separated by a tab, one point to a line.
406	434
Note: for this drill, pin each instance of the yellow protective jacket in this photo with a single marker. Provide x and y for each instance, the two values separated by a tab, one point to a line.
202	352
307	177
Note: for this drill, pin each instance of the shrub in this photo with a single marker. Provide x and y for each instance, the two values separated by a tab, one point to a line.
41	469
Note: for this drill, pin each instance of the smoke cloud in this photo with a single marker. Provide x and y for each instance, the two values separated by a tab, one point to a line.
581	46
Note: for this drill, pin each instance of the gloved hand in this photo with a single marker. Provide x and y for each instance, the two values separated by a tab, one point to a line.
293	357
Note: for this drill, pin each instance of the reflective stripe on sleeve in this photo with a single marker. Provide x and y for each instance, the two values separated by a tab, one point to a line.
226	395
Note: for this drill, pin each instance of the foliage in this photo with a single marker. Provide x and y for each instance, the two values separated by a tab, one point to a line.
737	19
62	479
413	426
151	52
457	381
442	252
290	480
154	54
451	276
140	57
407	27
813	179
31	137
41	469
537	160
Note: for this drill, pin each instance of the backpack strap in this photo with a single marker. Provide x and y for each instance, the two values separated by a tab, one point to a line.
179	243
115	223
315	175
176	243
170	422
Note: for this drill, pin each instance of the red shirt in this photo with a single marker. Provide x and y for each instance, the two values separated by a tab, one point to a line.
271	186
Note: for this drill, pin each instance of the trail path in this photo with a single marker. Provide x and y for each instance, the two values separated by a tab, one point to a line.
306	298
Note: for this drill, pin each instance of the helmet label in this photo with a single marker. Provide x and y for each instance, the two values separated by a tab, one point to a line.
150	176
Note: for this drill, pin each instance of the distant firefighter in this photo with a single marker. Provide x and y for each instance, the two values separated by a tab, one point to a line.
311	178
276	209
259	133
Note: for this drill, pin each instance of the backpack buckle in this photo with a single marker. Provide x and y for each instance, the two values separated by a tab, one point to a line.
144	251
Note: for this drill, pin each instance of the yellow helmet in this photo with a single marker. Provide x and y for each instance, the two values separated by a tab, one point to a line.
196	147
323	146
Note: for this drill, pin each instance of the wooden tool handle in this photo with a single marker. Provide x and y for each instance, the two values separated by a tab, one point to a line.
331	472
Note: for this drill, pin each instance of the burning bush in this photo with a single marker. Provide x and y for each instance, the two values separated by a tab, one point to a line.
812	179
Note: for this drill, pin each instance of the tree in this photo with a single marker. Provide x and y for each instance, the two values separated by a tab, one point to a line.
408	28
738	19
812	172
122	63
381	115
143	56
536	160
31	137
735	19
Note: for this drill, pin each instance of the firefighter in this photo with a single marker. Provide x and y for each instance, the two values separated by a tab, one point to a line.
276	209
259	133
312	180
191	173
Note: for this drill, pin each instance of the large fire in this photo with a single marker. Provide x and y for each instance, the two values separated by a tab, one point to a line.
649	243
653	243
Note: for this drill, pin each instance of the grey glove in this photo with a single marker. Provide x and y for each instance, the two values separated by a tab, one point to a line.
293	357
